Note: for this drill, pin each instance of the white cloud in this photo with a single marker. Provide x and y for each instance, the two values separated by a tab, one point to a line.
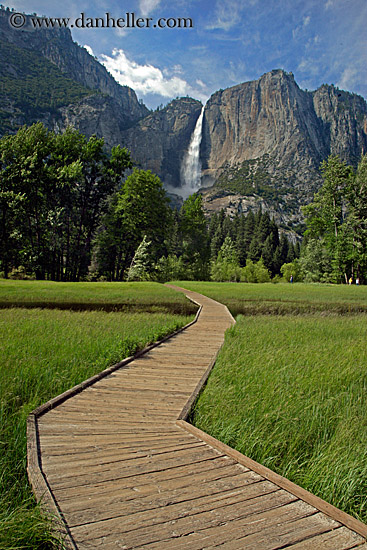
309	67
147	79
348	79
227	15
89	49
147	6
329	4
299	30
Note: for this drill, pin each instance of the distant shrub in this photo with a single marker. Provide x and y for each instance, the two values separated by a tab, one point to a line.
292	268
20	274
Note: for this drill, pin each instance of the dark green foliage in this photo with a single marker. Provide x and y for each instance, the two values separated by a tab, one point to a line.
53	191
140	208
196	250
67	215
35	86
254	237
335	246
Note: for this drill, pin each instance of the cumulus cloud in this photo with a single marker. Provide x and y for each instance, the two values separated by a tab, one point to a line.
147	79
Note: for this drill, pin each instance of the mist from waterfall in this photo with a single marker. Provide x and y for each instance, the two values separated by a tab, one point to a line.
191	166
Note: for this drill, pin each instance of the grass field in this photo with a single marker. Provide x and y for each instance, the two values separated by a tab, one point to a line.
43	353
290	390
283	298
93	296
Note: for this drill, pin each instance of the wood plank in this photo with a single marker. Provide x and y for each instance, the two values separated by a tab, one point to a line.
246	532
229	489
301	493
176	476
161	488
285	534
175	521
74	462
337	539
120	470
52	451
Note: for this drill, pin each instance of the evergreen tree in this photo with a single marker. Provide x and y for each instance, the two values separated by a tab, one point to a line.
356	228
226	267
139	268
267	254
326	214
141	207
249	230
196	249
241	245
255	249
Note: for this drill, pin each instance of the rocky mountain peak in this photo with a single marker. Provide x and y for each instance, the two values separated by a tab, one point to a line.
57	46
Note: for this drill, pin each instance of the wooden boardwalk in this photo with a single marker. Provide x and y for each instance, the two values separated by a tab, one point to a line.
115	460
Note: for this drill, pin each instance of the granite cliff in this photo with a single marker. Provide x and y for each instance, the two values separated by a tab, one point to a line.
32	57
158	142
263	142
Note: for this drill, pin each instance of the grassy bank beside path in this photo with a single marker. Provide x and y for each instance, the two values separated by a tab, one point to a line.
290	390
143	296
283	298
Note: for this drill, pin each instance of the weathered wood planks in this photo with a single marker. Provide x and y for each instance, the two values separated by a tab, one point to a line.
116	462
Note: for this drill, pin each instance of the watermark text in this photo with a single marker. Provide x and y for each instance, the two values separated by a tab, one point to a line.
128	21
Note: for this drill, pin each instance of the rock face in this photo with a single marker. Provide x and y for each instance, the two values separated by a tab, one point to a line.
76	63
268	116
158	142
344	122
95	114
267	138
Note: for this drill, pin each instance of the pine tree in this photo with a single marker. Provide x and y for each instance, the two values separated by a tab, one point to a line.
139	267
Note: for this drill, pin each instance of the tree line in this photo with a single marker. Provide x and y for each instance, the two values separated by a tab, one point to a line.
335	242
70	212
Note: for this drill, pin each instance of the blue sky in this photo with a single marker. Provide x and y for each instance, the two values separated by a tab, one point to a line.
320	41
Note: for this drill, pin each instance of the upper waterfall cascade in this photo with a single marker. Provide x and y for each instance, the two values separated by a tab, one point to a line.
191	166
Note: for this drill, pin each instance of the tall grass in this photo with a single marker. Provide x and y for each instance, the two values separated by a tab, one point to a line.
142	296
291	393
45	352
283	298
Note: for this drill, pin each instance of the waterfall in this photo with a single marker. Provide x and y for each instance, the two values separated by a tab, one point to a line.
191	166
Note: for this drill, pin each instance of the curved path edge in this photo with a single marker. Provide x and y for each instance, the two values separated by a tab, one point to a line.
44	492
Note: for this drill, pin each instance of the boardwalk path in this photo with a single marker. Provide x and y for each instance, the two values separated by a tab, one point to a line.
123	472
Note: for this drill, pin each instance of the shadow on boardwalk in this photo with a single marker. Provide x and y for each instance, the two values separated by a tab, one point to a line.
116	462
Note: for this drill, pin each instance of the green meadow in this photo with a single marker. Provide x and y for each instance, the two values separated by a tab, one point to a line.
93	296
289	390
47	351
283	298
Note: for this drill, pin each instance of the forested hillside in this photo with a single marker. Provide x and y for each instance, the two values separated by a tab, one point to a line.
31	87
